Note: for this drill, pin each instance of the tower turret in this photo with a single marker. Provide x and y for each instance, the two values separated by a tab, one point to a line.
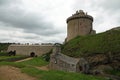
79	23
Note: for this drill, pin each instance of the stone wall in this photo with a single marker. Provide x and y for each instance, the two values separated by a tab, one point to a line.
27	49
63	62
59	61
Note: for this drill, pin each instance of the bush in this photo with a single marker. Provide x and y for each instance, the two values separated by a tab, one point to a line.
47	56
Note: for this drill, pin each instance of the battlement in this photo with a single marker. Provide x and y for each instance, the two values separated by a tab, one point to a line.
79	14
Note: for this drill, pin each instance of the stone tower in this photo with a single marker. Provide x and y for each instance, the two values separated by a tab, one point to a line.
79	23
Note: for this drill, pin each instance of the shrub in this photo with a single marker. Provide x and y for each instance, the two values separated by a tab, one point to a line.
47	55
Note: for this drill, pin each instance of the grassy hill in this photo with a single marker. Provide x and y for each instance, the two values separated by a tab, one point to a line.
105	42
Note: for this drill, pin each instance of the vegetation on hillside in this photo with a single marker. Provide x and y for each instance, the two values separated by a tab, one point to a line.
4	46
105	42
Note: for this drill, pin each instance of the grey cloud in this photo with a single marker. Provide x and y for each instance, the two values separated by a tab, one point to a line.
111	4
9	2
31	37
4	39
16	17
4	1
45	32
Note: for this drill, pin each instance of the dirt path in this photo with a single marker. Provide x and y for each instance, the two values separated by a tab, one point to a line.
12	73
24	59
43	68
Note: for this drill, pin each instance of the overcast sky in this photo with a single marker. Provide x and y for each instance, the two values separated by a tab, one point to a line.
41	21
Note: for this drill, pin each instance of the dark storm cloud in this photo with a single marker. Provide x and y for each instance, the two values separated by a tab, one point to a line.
15	16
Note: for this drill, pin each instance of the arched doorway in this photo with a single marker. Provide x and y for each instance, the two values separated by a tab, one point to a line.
32	54
84	68
80	68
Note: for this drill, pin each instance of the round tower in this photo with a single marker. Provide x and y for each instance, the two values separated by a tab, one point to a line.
79	23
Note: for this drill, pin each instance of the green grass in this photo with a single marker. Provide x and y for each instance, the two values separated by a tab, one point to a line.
37	61
9	57
92	44
58	75
28	67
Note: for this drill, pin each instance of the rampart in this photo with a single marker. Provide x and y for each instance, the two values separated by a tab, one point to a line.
28	49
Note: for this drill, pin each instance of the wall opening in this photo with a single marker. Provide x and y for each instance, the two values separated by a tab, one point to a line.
80	68
32	54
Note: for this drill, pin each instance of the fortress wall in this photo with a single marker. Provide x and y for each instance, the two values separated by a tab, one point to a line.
27	49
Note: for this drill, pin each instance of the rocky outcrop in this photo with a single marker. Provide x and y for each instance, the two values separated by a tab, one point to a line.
99	63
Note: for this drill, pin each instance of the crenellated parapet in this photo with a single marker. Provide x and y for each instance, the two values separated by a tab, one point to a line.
79	14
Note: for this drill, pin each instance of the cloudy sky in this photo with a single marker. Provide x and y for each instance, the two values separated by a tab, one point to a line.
41	21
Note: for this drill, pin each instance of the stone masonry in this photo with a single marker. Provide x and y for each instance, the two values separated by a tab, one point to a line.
28	49
79	24
59	61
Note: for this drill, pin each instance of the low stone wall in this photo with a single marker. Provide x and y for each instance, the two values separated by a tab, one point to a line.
27	49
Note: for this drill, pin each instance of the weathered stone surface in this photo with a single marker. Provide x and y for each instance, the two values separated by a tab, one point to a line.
99	63
28	49
102	68
79	24
97	59
59	61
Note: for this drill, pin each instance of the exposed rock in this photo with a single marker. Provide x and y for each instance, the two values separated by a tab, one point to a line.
97	59
102	68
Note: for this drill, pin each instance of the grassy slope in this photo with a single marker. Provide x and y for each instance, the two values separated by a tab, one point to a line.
58	75
100	43
37	61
